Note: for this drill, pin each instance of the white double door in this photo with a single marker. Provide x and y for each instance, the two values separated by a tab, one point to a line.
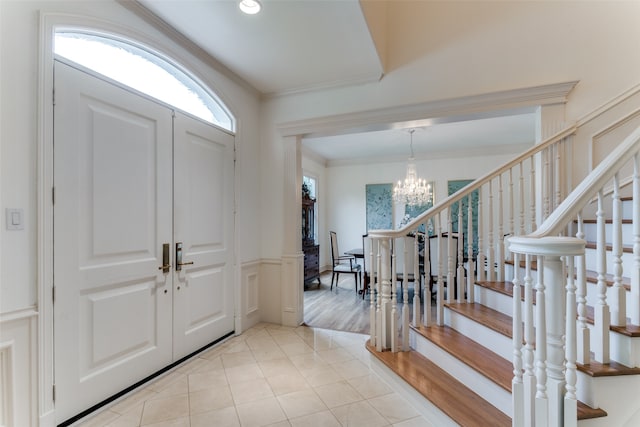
134	181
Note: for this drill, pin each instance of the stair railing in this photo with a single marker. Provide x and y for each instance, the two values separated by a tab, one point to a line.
475	221
545	365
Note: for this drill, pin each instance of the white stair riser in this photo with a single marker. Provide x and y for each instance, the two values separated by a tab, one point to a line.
489	338
614	395
592	296
494	394
591	233
623	349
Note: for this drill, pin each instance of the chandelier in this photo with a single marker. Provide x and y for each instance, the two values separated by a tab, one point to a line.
412	191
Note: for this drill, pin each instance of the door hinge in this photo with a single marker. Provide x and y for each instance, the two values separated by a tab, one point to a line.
53	294
53	96
54	392
53	195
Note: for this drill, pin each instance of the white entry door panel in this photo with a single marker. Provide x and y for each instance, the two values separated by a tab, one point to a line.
203	226
112	214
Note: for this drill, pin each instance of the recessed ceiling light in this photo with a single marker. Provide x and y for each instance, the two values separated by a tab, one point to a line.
250	7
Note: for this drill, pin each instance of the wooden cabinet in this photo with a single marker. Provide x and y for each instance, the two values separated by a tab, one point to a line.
309	247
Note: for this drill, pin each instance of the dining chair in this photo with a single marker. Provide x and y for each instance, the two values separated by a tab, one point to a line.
343	263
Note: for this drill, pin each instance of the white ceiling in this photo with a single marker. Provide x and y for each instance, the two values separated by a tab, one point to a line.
298	45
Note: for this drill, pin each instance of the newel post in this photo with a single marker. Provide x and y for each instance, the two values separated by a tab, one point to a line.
551	327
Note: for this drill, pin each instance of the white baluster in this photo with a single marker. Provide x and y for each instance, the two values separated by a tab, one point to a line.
618	296
570	406
500	240
417	278
440	292
529	378
426	316
602	315
541	404
379	324
372	296
532	195
521	202
471	280
517	385
481	257
451	284
556	175
393	327
460	256
546	185
554	287
583	337
405	296
635	276
490	245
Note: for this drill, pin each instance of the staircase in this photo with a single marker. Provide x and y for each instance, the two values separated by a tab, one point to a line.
546	332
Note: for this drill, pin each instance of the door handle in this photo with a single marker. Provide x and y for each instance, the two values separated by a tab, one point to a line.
166	266
179	262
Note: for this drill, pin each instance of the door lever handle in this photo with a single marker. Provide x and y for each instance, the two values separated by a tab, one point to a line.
179	262
166	266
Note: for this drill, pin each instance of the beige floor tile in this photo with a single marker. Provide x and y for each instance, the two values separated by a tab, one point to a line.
308	361
351	369
287	383
393	407
370	386
205	380
213	364
165	380
321	376
335	355
301	403
210	399
284	423
261	342
268	354
242	373
415	422
131	418
260	413
296	349
319	419
226	417
272	368
234	359
249	391
191	365
180	386
136	399
100	419
178	422
166	409
359	414
338	394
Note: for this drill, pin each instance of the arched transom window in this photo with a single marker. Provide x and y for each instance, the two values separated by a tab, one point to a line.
144	71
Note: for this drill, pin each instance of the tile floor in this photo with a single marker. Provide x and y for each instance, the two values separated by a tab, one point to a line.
268	376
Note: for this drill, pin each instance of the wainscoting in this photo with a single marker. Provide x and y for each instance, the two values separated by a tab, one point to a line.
18	361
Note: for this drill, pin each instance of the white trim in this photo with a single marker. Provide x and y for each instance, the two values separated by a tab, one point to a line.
495	104
608	106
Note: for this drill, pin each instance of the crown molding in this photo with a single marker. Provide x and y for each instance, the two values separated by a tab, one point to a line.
516	101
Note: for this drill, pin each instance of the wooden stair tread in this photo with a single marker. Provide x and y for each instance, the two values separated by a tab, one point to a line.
591	276
630	330
484	315
625	248
606	221
475	355
483	360
452	397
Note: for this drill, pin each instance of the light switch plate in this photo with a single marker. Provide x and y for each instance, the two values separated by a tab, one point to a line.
15	219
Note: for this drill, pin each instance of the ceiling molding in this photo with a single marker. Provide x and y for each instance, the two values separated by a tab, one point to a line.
335	84
436	155
183	41
494	104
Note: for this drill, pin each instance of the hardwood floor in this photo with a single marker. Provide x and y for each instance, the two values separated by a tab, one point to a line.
340	309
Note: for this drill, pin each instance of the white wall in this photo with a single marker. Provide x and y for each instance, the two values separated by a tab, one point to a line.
19	138
346	204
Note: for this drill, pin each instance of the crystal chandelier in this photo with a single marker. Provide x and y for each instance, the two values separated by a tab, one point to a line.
412	191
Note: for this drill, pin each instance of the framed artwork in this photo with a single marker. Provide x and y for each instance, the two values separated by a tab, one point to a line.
454	186
379	206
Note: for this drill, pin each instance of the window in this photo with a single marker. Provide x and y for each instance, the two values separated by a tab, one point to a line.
144	71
